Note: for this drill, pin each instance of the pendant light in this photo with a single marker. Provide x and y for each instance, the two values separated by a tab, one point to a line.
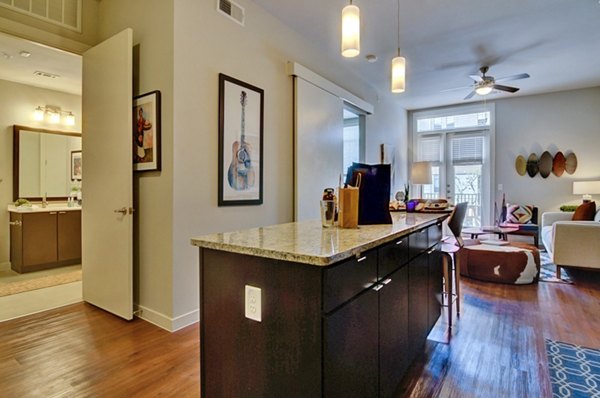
398	65
350	31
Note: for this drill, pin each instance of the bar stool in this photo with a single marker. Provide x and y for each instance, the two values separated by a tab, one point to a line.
450	247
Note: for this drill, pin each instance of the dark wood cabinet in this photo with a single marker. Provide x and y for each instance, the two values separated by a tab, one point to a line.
350	329
393	331
41	240
435	284
350	349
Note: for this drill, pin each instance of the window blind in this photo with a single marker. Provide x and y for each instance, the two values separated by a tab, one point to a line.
467	150
430	148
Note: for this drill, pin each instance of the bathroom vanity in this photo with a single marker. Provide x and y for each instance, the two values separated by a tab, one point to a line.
297	310
42	238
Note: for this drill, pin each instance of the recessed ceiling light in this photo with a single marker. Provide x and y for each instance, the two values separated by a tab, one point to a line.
25	54
6	55
371	58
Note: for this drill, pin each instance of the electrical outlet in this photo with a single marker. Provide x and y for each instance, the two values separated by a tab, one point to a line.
253	303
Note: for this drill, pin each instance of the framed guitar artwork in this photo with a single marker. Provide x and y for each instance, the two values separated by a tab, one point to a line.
241	108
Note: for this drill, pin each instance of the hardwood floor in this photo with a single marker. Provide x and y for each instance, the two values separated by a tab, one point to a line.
496	350
81	351
497	346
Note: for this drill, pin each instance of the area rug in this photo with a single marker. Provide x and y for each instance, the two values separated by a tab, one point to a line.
548	270
7	289
574	370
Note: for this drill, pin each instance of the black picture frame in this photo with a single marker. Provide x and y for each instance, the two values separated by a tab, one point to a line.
76	165
241	125
146	131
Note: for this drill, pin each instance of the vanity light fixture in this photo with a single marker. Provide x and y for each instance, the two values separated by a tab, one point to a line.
53	115
350	31
398	66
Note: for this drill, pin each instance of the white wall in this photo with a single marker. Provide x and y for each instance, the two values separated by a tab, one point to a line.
566	121
206	44
389	126
17	102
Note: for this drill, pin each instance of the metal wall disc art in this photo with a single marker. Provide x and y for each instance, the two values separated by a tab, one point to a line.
532	165
521	165
558	165
571	163
545	164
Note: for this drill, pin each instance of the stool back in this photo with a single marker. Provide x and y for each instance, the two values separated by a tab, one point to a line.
456	220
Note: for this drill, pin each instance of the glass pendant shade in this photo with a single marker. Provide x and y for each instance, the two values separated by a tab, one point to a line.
350	31
54	117
70	119
398	74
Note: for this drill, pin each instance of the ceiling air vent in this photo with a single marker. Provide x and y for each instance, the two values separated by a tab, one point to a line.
46	74
231	10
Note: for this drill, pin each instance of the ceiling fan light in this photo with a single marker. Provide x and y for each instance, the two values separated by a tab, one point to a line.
483	90
398	74
350	31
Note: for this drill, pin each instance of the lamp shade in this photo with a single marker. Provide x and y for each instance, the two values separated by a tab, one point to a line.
398	74
586	187
421	173
350	31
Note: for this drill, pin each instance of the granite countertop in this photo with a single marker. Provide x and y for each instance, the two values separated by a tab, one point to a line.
39	209
308	242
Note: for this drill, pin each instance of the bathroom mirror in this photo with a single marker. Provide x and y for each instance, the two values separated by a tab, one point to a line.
45	162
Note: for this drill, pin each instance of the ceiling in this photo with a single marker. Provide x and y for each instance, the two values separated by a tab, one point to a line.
556	41
64	65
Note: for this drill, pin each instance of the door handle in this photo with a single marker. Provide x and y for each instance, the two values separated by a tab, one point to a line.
122	210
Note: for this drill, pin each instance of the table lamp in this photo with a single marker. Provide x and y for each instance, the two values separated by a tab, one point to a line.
420	174
587	189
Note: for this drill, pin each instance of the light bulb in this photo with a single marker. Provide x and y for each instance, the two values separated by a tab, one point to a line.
70	119
38	114
398	74
350	31
483	90
54	117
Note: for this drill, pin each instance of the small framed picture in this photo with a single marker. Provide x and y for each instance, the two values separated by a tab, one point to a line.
146	132
241	108
76	166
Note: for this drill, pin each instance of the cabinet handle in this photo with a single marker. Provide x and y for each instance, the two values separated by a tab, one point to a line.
377	287
17	223
430	251
423	231
388	280
62	212
52	212
363	258
399	242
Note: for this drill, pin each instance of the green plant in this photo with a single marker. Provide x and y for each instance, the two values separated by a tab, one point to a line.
22	202
568	207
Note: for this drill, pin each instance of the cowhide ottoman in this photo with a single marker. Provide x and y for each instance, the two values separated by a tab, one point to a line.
515	263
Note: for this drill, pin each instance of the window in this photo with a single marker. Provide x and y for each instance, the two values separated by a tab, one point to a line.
353	138
458	142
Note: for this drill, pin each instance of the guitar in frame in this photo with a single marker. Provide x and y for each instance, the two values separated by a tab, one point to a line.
241	174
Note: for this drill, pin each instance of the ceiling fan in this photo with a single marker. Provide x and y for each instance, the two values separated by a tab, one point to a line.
484	85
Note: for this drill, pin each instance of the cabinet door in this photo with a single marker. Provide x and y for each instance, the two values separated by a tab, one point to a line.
418	291
351	348
435	286
69	235
16	241
392	256
39	240
393	332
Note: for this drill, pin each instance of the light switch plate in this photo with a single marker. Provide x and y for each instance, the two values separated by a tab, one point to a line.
253	303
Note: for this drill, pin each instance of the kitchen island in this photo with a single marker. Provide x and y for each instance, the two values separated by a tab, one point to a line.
298	310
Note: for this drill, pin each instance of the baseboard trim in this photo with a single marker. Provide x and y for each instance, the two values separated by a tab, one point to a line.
165	322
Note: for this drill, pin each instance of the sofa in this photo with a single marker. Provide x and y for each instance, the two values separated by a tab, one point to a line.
571	243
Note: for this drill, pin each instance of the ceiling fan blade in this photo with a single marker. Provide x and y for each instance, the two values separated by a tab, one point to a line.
514	77
477	78
455	89
505	88
471	94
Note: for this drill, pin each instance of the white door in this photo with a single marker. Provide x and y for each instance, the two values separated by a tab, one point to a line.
107	222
